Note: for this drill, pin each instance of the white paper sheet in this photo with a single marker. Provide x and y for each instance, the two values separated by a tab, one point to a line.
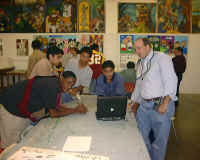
77	144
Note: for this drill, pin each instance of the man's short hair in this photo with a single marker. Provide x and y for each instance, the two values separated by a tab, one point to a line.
108	64
36	44
86	50
146	41
54	50
180	49
131	64
68	74
94	47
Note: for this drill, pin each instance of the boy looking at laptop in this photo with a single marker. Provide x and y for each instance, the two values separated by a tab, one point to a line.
109	82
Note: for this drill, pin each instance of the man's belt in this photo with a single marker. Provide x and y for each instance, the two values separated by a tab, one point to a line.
153	99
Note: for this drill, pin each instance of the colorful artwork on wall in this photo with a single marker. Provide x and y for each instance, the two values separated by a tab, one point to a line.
65	42
137	18
195	16
91	16
167	44
174	16
5	16
29	17
181	41
60	16
1	47
155	41
126	44
22	47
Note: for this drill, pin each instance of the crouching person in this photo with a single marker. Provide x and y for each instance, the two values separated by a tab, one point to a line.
30	100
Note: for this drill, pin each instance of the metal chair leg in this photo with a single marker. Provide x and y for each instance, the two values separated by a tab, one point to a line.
174	129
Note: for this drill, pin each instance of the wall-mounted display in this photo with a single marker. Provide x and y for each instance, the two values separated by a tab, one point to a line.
137	18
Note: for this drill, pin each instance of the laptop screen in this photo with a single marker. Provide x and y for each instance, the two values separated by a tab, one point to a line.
111	107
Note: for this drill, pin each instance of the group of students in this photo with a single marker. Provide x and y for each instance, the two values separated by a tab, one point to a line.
46	93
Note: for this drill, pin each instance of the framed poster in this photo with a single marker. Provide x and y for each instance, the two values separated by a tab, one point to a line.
137	18
22	47
174	16
195	16
6	16
91	16
126	44
60	16
29	16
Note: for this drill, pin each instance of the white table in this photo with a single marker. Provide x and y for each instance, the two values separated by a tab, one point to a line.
118	140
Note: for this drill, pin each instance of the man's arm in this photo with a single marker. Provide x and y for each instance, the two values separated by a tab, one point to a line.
74	91
169	81
64	111
120	90
100	87
163	107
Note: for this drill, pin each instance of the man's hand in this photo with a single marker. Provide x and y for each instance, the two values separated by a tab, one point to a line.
162	108
164	105
81	108
133	107
73	92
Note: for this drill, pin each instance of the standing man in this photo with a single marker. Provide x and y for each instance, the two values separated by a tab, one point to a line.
155	91
179	62
35	57
83	72
47	66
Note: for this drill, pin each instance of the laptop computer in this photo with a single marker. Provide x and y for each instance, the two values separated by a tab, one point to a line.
111	108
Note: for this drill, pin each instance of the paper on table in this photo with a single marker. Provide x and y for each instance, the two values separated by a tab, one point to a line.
77	144
29	153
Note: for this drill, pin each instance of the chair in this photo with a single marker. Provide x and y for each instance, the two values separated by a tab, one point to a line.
129	86
173	127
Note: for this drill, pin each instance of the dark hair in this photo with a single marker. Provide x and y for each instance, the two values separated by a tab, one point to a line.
54	50
94	47
36	44
86	50
131	64
180	49
108	64
68	74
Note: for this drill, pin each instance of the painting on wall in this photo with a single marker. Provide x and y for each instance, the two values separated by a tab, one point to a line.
126	44
174	16
137	18
181	41
167	44
5	16
67	42
62	41
91	16
29	16
155	42
195	16
1	47
60	16
22	47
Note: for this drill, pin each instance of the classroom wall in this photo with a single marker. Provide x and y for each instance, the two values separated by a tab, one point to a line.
190	83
